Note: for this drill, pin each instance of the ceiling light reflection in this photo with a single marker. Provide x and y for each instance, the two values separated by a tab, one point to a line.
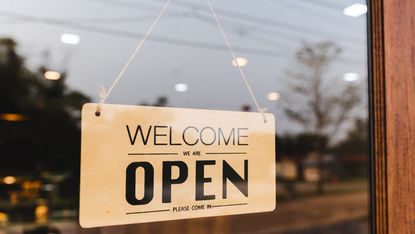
9	180
181	87
71	39
273	96
242	62
351	76
52	75
355	10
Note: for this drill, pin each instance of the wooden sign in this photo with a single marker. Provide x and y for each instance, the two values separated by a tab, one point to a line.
143	164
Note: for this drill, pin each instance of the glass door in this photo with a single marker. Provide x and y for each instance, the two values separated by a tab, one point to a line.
305	60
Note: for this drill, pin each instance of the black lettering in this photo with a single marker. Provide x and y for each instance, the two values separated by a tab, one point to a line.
168	181
156	135
131	183
232	134
201	180
132	140
230	174
201	135
184	138
171	137
241	136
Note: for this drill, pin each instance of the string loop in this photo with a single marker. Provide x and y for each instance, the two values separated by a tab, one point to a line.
243	76
150	29
137	49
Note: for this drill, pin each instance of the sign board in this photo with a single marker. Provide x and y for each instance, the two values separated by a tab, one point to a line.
143	164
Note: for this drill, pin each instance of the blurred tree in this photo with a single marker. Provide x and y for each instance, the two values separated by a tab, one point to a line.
353	151
49	137
13	77
160	102
356	141
300	144
327	106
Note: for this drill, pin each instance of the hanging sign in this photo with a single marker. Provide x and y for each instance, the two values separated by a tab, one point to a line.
143	164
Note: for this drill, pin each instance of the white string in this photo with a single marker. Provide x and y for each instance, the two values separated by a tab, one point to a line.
259	109
137	49
143	39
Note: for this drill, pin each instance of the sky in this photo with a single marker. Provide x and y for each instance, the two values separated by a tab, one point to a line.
186	47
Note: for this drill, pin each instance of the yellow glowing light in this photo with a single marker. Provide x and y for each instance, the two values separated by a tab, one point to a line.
12	117
52	75
4	218
42	213
9	180
242	62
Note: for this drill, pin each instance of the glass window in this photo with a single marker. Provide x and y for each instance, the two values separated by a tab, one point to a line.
305	60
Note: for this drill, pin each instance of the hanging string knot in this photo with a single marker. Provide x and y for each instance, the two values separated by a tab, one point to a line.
263	110
137	49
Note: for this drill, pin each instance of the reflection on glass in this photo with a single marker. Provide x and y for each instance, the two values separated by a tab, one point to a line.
305	60
71	39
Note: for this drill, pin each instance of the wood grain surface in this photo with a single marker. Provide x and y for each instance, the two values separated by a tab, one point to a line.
144	164
392	50
378	112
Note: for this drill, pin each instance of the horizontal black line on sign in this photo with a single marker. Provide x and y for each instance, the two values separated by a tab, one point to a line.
237	204
148	211
152	153
227	153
